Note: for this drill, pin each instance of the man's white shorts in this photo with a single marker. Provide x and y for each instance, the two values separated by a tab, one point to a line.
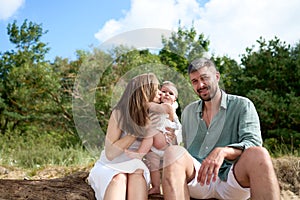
219	189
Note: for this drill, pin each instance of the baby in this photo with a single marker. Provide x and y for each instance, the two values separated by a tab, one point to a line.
164	115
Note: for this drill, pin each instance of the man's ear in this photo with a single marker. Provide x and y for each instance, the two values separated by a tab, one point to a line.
218	76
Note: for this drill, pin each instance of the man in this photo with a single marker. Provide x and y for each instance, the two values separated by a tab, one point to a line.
224	157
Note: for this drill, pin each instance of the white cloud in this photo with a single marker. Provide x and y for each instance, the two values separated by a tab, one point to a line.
231	25
9	7
151	14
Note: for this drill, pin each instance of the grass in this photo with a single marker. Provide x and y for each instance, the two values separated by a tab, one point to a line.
31	152
279	148
36	151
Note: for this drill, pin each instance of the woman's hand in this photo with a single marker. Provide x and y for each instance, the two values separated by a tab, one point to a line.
170	135
133	154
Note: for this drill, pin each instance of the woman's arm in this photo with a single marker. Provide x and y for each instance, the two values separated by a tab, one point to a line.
114	144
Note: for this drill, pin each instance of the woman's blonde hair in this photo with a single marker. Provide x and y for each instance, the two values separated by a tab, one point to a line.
133	106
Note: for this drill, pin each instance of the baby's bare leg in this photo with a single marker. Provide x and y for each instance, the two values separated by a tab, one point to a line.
154	167
159	141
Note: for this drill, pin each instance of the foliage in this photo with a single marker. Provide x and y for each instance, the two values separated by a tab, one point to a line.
88	111
270	78
34	150
270	67
183	47
27	82
230	72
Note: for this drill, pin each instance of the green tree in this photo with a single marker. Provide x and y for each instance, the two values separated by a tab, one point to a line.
66	71
182	47
271	79
230	72
27	82
270	67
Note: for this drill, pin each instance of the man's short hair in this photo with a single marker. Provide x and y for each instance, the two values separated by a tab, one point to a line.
200	63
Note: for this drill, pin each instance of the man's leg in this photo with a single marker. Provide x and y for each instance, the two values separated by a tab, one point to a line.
178	170
255	170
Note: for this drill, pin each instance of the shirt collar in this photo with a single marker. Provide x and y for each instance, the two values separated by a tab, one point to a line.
224	100
223	103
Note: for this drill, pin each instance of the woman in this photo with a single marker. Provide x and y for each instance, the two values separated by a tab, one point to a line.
116	175
153	147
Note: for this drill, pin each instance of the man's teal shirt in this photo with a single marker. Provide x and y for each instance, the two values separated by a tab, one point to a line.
235	125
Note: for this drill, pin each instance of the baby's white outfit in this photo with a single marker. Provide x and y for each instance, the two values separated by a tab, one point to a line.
163	123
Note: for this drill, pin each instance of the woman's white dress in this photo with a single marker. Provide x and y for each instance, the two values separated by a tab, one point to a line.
104	170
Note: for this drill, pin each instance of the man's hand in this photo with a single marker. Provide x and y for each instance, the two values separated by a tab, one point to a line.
210	166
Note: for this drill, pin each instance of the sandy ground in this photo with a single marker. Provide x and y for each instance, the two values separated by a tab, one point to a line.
287	170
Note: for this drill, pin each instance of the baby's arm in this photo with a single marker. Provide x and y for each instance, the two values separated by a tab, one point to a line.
163	108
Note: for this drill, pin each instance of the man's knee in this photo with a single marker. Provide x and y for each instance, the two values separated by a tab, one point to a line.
172	154
256	153
258	157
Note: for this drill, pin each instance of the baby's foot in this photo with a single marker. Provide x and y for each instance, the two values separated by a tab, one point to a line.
154	190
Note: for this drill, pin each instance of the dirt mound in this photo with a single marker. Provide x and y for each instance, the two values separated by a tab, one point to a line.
288	173
70	187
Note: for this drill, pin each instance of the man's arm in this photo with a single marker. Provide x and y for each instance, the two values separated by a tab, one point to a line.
211	164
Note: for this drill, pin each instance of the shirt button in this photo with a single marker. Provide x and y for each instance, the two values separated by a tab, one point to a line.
207	133
206	147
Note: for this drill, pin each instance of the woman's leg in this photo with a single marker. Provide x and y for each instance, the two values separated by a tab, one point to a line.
116	189
137	186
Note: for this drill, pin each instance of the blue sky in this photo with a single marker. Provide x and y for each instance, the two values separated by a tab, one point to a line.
71	24
231	25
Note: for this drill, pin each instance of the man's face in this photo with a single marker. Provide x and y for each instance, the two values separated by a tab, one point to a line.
205	82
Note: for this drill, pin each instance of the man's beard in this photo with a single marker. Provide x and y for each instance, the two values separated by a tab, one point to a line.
211	95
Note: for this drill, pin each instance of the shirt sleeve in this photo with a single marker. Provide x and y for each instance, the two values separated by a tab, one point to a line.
249	127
